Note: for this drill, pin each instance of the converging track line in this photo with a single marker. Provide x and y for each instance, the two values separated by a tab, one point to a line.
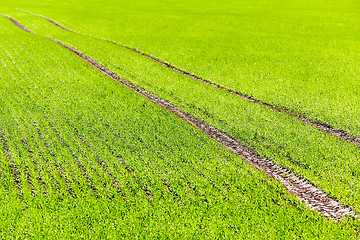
18	24
321	126
314	197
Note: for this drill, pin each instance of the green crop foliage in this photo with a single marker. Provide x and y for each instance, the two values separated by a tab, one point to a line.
326	161
81	156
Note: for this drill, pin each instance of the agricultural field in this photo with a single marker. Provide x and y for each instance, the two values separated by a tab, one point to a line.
180	119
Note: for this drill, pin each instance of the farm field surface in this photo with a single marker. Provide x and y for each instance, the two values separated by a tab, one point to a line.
300	55
85	156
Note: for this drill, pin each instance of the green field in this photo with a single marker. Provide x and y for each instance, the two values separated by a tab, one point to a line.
83	156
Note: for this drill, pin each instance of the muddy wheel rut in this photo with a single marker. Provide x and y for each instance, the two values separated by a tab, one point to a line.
314	197
321	126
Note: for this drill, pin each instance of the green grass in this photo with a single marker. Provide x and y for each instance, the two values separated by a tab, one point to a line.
96	160
326	161
300	55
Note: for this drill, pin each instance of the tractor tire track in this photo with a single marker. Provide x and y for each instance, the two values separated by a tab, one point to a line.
314	197
18	24
321	126
47	19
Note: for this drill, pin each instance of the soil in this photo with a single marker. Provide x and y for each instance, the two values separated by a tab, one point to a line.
18	24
